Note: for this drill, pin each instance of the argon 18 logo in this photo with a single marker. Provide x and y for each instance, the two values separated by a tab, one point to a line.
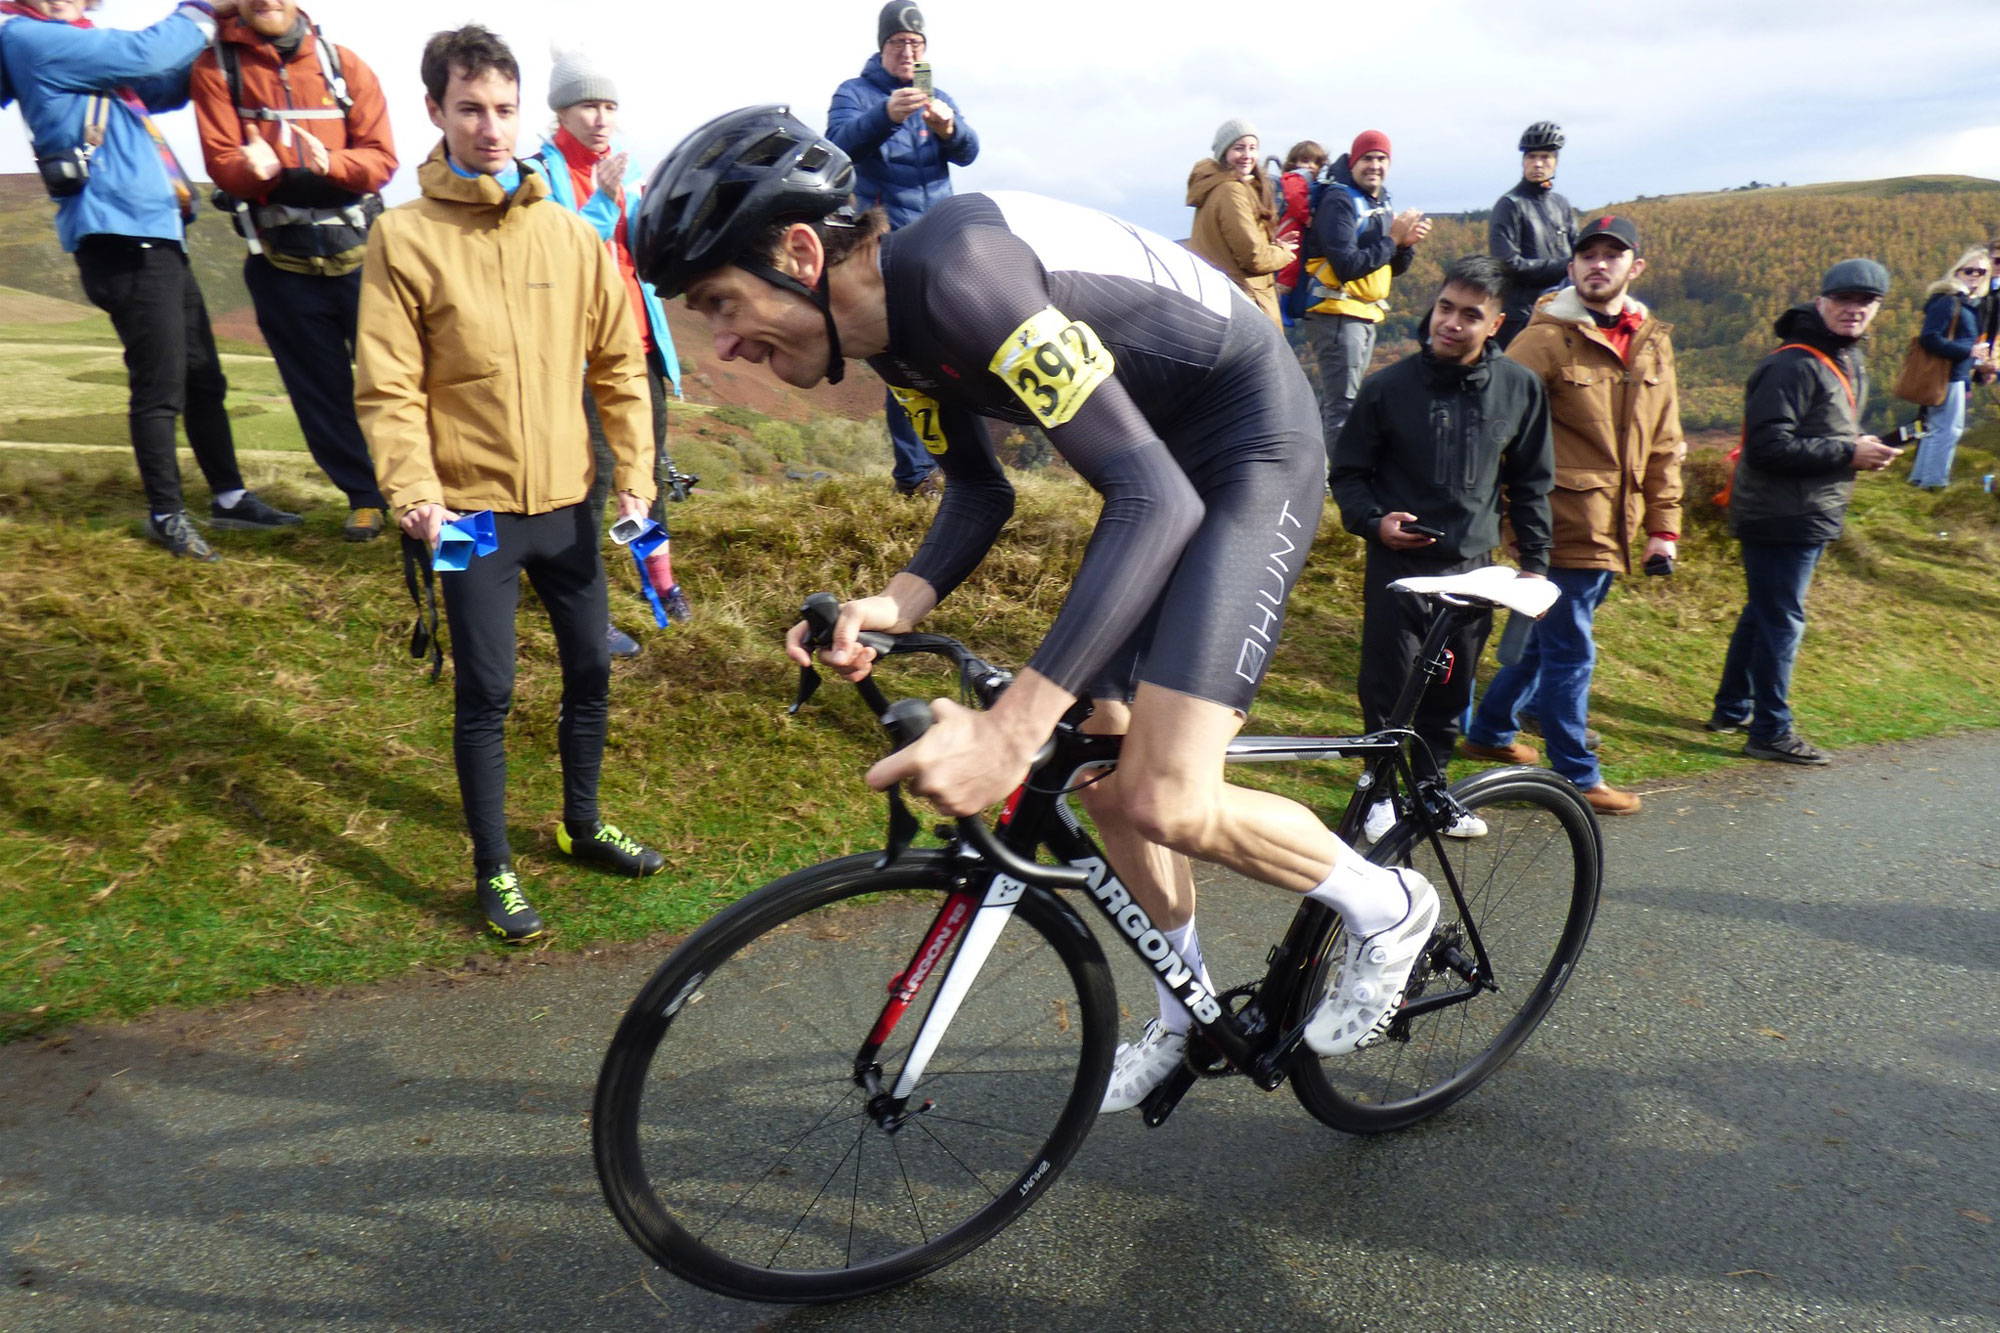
1152	945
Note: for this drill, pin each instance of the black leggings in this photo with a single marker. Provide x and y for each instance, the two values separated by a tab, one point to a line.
558	551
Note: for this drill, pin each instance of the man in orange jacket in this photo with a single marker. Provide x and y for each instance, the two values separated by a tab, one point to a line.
296	136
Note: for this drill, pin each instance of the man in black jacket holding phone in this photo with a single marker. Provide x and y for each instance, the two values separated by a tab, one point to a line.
1446	442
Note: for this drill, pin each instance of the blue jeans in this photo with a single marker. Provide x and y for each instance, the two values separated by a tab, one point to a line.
1943	425
913	462
1554	670
1757	674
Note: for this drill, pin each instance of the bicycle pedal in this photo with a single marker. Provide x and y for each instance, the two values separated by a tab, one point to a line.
1161	1101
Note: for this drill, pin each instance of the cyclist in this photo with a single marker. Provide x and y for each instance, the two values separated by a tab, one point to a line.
1173	396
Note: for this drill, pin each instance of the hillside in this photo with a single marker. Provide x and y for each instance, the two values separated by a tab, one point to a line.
1722	266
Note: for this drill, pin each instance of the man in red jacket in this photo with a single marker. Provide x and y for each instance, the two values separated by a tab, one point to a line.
295	132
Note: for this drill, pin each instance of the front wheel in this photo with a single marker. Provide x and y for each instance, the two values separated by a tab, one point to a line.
735	1142
1530	891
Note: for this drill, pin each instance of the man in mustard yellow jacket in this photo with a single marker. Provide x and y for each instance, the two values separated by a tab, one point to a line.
485	306
1614	410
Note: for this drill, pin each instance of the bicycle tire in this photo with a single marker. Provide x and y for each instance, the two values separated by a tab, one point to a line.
731	1138
1532	885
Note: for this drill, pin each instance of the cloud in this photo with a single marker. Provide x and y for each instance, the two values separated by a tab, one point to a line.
1109	103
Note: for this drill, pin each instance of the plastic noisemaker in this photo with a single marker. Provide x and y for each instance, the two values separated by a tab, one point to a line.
463	539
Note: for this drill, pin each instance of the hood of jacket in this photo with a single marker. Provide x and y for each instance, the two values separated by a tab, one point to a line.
1567	306
1441	374
1205	178
1802	324
872	70
438	181
1947	286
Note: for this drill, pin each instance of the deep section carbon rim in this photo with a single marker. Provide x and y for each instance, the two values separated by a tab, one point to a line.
734	1143
1531	887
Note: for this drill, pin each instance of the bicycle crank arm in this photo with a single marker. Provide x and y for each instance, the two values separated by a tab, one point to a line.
1161	1101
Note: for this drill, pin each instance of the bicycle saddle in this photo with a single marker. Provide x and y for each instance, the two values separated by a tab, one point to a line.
1495	585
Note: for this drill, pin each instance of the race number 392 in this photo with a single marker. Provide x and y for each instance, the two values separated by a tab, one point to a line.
1053	364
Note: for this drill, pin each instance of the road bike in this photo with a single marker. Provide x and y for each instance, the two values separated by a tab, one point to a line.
860	1071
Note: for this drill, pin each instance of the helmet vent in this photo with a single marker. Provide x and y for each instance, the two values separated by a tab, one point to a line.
766	151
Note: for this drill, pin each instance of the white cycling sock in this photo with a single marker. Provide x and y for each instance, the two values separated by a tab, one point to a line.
230	499
1368	897
1174	1016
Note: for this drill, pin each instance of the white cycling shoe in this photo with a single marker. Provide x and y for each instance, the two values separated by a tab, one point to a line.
1143	1065
1368	986
1381	818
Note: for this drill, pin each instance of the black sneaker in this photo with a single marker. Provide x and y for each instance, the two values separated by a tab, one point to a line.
1788	748
613	850
179	537
508	913
1717	722
250	512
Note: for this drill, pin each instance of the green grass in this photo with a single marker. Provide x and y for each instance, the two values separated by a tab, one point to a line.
220	780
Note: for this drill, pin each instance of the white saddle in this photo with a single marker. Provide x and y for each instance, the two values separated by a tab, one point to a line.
1495	585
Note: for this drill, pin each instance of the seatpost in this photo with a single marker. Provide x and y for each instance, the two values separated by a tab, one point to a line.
1431	663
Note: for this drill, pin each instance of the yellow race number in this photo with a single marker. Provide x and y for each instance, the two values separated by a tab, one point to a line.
923	414
1053	364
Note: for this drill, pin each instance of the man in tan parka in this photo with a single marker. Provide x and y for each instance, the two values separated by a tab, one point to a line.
1614	410
485	308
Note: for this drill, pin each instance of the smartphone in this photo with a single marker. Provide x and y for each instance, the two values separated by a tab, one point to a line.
921	80
1425	530
1903	436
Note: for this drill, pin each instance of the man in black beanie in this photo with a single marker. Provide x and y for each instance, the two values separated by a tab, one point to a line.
903	140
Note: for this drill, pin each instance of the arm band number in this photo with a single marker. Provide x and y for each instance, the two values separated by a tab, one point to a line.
1053	364
923	414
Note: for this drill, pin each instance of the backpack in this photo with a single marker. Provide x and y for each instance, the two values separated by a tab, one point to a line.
325	241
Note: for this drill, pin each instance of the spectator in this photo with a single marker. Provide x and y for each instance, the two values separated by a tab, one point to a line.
1301	168
122	208
1802	445
295	130
1951	330
1235	216
904	142
1533	229
1607	366
1360	245
1455	437
467	388
589	173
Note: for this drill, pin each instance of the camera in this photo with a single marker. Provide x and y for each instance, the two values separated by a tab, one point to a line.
1660	565
64	174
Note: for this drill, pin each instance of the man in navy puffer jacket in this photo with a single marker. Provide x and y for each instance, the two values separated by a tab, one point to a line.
904	145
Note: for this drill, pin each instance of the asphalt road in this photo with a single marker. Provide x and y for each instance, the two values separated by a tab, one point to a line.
1768	1101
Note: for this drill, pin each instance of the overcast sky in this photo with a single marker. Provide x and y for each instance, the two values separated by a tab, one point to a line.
1109	103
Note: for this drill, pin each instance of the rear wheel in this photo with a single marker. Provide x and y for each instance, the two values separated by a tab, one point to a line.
1529	892
736	1145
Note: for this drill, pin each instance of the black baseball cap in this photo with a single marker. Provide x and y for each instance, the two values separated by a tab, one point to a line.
1618	229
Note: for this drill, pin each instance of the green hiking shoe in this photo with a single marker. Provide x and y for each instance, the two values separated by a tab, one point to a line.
508	912
610	848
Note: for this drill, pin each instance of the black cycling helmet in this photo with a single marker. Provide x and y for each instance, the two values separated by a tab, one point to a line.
1544	136
723	186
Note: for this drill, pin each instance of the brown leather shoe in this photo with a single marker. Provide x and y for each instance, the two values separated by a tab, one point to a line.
1608	800
1520	752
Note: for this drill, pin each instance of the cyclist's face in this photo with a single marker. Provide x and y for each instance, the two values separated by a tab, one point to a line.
1538	166
752	320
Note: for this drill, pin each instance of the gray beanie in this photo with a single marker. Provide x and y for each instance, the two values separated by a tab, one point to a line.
1856	275
898	16
576	78
1229	132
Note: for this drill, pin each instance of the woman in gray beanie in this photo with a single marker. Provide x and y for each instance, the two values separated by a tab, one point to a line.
1235	214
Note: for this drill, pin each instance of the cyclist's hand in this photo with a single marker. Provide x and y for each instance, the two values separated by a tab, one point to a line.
964	763
1390	531
848	659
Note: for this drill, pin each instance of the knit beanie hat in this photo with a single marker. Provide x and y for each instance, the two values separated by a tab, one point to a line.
576	78
1229	132
1369	141
898	16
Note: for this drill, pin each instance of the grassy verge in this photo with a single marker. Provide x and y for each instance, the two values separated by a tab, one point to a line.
220	780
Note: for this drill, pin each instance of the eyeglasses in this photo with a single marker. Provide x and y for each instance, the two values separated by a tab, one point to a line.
906	44
1973	272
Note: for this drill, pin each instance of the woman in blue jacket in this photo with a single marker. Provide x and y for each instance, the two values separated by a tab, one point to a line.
1951	330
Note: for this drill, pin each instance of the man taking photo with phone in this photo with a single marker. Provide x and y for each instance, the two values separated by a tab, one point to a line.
903	140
